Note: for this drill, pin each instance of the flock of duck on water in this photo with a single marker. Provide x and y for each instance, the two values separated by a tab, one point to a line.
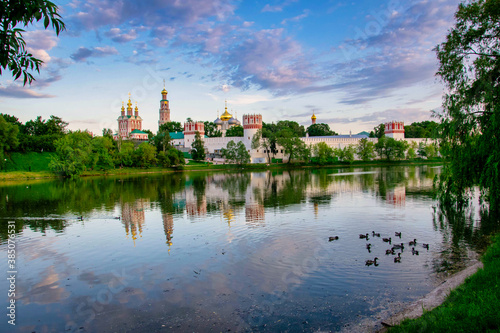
391	251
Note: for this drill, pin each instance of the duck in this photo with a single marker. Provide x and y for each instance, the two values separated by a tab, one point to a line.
332	238
368	246
390	251
398	246
117	218
387	240
413	242
371	262
397	234
363	236
375	234
398	258
79	218
414	252
425	246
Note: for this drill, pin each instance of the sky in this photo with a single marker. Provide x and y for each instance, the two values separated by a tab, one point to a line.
354	64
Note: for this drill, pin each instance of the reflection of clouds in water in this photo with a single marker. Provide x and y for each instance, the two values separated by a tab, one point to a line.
47	291
44	287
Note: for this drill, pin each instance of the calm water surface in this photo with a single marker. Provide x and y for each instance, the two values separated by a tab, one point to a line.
217	252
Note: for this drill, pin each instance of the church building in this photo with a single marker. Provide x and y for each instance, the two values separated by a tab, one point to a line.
130	124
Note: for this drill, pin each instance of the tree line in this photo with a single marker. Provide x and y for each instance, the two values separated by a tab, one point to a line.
321	153
78	151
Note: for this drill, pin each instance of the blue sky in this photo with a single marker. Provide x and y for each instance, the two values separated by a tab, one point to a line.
355	64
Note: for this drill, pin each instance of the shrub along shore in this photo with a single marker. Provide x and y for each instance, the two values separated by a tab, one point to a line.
472	307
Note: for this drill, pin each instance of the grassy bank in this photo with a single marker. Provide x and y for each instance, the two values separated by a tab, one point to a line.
472	307
27	162
35	165
17	175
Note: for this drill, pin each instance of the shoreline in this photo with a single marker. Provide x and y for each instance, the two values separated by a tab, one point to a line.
433	299
12	176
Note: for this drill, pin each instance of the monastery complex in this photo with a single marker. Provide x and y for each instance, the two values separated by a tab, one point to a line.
130	128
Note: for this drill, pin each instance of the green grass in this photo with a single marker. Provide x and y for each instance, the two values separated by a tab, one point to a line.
16	175
28	162
472	307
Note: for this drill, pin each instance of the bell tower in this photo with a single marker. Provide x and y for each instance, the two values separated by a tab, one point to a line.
164	107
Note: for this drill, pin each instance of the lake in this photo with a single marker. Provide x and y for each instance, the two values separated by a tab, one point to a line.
240	251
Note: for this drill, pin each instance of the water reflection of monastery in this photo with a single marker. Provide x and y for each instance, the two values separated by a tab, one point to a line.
396	196
244	197
132	217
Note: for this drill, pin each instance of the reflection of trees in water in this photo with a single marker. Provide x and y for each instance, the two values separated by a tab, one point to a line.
285	189
167	187
367	180
236	184
463	231
322	178
417	180
26	203
199	183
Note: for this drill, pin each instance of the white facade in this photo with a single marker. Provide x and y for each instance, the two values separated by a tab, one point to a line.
252	123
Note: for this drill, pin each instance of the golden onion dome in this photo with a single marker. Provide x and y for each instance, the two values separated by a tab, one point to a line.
226	116
164	91
313	117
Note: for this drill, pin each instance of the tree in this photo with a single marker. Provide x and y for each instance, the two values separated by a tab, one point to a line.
412	154
424	129
421	151
229	153
176	156
8	137
162	140
390	148
259	141
378	131
235	131
236	152
171	157
320	130
107	132
211	130
73	154
242	155
145	155
430	150
102	153
270	135
323	153
292	146
13	52
41	134
470	67
55	125
11	119
292	126
304	152
125	154
365	150
346	154
198	152
171	127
